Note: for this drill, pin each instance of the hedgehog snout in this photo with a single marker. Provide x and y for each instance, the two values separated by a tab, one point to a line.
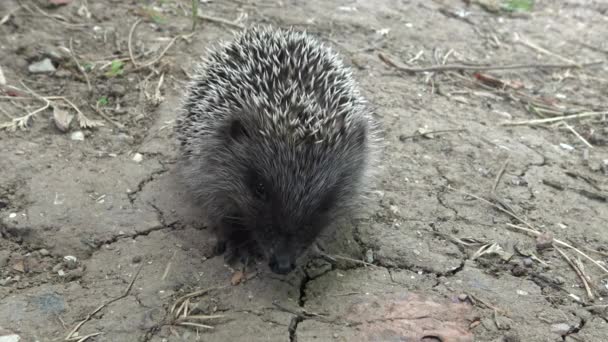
281	262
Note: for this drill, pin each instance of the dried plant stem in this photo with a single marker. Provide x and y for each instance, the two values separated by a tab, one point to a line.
561	243
71	336
510	213
459	67
555	119
80	68
578	272
580	137
219	20
130	42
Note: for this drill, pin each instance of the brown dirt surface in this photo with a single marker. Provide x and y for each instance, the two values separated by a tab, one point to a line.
95	227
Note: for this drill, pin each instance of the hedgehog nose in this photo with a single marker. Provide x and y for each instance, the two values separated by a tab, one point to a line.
281	264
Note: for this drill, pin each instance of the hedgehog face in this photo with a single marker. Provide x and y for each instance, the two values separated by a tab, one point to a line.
293	191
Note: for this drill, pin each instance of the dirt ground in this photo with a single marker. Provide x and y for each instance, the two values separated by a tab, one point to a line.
95	228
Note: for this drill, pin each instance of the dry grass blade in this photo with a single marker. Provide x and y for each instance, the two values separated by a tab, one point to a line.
205	317
563	244
542	50
107	118
22	122
198	325
459	67
577	135
499	175
218	20
181	299
85	337
130	42
70	336
555	119
578	272
160	56
429	133
334	258
510	213
80	68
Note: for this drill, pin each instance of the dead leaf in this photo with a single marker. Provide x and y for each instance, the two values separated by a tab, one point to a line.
62	119
20	266
237	277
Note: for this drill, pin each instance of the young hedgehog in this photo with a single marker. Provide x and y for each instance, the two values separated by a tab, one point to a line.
276	142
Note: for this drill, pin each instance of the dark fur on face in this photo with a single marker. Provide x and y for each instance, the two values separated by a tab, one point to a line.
276	142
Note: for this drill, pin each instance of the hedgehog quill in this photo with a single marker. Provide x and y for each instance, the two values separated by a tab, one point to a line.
276	143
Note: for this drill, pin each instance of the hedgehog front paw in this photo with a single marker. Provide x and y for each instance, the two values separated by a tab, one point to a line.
243	252
220	247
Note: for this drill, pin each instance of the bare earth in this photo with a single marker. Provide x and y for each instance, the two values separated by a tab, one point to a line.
410	266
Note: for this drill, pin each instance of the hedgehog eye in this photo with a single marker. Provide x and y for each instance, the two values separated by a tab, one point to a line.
237	130
260	190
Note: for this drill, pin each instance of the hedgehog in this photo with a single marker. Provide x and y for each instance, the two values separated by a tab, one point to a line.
276	143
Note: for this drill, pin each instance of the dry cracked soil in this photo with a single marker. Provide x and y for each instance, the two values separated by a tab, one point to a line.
461	239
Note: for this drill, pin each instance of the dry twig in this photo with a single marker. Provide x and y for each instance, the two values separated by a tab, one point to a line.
219	20
577	135
561	243
555	119
107	118
80	68
130	42
460	67
578	271
422	134
508	212
71	336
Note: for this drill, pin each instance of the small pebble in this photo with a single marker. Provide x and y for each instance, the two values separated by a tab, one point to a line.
560	328
41	67
78	136
61	273
369	256
63	73
462	297
70	261
136	259
117	90
519	271
138	157
75	274
44	252
394	209
566	147
528	262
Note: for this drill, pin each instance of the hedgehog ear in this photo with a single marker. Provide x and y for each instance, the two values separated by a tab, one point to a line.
236	130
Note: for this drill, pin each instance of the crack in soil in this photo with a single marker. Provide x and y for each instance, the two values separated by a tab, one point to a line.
576	329
140	186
